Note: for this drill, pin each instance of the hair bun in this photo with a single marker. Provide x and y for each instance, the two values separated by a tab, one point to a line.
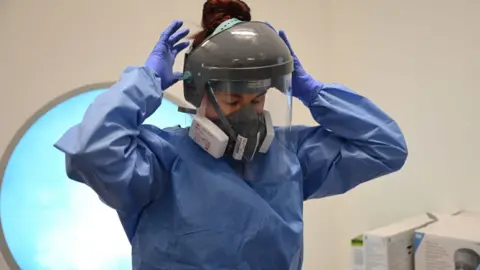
217	11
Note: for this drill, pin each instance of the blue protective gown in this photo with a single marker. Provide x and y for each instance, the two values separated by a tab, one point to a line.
183	209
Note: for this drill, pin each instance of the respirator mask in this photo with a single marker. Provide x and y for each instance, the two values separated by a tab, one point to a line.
239	81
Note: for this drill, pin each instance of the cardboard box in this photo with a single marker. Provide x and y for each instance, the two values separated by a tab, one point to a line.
389	247
358	254
450	244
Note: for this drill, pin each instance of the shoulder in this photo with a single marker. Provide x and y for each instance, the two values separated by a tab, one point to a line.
169	133
162	140
294	136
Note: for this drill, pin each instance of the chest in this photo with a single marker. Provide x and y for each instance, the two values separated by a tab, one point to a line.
270	188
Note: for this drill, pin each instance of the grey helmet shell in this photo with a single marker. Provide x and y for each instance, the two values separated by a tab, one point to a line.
246	53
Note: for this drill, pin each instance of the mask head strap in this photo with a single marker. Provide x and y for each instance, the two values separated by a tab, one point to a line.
213	100
226	25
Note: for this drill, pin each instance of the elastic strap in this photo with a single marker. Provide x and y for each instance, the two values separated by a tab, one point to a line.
226	24
214	102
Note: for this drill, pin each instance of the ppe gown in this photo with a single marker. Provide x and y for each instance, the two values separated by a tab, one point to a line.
183	209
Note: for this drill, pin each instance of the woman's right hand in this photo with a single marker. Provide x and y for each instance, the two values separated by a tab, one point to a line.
164	53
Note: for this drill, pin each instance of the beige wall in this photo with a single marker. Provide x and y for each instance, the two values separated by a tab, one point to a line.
417	59
420	60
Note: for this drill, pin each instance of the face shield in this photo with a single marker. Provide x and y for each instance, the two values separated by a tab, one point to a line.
248	112
239	80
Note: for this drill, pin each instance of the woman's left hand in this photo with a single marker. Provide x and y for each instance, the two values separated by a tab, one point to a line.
303	85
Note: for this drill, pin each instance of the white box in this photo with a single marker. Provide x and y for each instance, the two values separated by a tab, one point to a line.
389	247
450	244
358	253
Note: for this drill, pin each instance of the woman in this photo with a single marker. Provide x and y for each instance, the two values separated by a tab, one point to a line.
183	208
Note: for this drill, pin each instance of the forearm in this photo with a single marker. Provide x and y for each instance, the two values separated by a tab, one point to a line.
115	115
104	150
358	121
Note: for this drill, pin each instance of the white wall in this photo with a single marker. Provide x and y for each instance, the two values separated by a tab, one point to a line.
417	59
420	60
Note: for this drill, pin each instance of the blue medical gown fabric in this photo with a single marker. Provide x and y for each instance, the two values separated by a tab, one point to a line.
183	209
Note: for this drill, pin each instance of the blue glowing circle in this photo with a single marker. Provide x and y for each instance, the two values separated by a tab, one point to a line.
50	222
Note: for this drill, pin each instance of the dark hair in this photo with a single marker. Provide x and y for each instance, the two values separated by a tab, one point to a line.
216	12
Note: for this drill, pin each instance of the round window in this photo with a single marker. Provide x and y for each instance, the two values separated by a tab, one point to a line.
51	222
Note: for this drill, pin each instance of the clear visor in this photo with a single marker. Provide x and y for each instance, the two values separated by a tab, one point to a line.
252	110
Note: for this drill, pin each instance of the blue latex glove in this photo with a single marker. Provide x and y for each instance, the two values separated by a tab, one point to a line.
164	53
303	85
